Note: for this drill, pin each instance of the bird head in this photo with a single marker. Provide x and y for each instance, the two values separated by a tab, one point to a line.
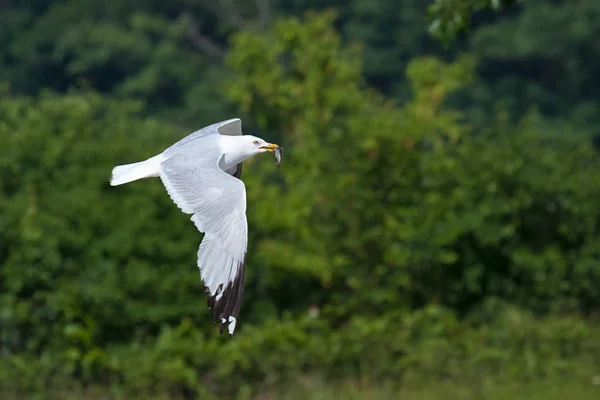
258	145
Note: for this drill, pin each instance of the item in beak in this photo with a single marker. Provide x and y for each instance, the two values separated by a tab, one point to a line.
277	154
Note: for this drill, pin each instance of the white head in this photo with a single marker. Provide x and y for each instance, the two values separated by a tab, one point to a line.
254	145
239	148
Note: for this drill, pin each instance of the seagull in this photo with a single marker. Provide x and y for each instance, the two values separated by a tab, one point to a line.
202	175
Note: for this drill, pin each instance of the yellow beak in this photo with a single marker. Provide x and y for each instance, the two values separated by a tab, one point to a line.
270	147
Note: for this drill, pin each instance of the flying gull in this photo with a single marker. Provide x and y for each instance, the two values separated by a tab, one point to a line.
201	173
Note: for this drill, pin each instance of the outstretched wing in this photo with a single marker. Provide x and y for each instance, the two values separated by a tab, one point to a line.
217	201
230	127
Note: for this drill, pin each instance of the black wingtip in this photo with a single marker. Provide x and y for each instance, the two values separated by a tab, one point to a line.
229	304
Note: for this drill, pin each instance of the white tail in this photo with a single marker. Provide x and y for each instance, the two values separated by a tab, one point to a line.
132	172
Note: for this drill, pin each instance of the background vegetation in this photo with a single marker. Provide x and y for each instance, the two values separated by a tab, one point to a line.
431	233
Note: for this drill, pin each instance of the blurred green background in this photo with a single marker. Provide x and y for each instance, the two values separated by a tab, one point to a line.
432	233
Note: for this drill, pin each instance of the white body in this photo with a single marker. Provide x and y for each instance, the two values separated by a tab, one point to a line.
150	168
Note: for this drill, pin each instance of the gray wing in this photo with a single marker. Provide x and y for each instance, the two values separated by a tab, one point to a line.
230	127
217	201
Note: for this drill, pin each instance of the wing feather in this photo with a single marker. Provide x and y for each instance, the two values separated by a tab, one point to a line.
230	127
217	202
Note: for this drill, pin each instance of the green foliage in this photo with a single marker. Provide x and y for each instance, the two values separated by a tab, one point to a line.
565	84
129	50
402	351
80	266
168	54
450	17
395	244
407	199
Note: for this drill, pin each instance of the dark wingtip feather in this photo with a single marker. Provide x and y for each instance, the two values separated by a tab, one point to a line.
231	301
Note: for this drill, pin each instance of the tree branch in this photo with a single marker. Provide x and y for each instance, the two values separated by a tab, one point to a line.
231	13
264	11
203	43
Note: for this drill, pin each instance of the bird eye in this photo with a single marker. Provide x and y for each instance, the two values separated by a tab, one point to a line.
255	142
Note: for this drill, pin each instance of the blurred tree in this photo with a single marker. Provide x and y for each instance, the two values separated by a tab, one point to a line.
391	33
78	265
402	200
169	55
451	17
547	56
163	53
392	221
498	220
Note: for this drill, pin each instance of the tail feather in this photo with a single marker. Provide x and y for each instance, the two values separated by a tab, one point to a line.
132	172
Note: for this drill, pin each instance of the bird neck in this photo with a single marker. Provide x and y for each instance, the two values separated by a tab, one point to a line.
233	151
